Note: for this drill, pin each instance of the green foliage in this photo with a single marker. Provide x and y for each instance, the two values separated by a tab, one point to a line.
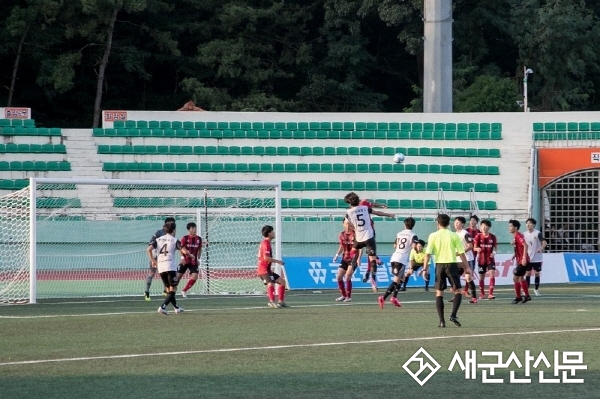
488	94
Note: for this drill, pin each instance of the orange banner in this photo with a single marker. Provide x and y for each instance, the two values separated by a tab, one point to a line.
111	116
556	162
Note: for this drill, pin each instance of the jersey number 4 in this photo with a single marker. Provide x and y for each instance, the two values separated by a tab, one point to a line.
163	250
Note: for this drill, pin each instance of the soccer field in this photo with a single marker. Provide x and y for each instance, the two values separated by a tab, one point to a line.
236	347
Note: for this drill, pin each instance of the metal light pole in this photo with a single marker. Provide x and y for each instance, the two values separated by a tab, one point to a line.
526	72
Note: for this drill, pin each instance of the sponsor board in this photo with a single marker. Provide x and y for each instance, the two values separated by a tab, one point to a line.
17	113
111	116
582	268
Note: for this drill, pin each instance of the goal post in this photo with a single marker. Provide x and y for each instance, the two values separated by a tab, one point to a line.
75	237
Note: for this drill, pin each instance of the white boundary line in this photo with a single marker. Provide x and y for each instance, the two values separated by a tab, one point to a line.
322	344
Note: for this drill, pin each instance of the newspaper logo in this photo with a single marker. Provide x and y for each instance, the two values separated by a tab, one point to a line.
425	362
317	272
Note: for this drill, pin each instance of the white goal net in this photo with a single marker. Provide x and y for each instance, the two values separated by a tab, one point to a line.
64	238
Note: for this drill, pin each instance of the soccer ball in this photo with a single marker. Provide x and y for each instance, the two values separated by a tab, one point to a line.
399	158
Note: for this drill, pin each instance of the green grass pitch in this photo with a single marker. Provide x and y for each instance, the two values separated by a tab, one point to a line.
236	347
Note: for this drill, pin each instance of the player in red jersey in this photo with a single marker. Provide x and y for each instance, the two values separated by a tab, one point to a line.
264	271
371	205
485	244
472	229
522	259
346	240
193	243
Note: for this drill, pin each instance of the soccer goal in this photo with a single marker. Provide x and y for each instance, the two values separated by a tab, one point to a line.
67	238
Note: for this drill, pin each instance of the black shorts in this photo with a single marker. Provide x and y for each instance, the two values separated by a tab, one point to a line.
520	270
535	266
398	269
344	264
484	268
191	268
447	271
169	278
269	278
416	267
369	244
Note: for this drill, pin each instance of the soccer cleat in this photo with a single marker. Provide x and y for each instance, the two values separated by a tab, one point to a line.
179	310
491	297
517	300
482	295
526	299
162	311
282	305
272	304
451	300
146	296
340	299
381	301
426	289
402	289
454	320
348	300
183	294
395	302
473	300
442	324
537	293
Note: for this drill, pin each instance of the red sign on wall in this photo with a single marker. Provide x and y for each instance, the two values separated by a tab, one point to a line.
16	113
111	116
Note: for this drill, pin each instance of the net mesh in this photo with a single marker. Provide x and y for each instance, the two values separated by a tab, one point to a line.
92	238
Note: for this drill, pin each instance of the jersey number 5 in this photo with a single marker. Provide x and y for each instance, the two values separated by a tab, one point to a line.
361	221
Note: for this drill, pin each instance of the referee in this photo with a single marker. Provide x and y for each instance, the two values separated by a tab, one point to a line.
445	245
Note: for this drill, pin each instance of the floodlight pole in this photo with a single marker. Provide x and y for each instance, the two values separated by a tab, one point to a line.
525	74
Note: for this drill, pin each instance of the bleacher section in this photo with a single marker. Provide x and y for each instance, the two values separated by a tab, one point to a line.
551	131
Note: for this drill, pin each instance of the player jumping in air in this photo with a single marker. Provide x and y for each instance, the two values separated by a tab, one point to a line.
485	244
193	243
166	263
264	271
346	240
405	242
372	205
359	216
152	270
536	243
522	259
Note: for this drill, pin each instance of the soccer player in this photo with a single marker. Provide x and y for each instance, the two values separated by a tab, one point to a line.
522	259
405	242
467	240
371	205
417	257
359	216
445	245
346	240
472	229
152	270
536	244
485	244
264	271
193	243
166	263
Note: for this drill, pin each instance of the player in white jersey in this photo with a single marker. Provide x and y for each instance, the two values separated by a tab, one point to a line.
536	243
467	241
405	241
167	262
359	216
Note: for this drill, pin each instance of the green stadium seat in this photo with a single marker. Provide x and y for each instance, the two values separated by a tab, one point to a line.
383	186
338	168
347	185
310	186
364	151
302	168
326	168
119	124
144	167
493	170
107	167
290	168
444	185
216	167
283	151
471	152
492	187
421	168
127	149
419	186
453	204
335	186
163	150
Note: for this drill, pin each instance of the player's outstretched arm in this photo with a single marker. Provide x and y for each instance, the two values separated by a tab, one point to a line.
383	214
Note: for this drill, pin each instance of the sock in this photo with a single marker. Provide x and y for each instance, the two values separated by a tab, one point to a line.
525	287
167	301
439	305
456	304
518	289
189	284
473	289
173	299
349	288
271	292
373	264
281	292
367	275
404	282
398	287
492	285
392	288
482	285
537	282
426	280
528	279
341	288
149	282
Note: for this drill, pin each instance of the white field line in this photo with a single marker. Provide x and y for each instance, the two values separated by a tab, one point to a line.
261	348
